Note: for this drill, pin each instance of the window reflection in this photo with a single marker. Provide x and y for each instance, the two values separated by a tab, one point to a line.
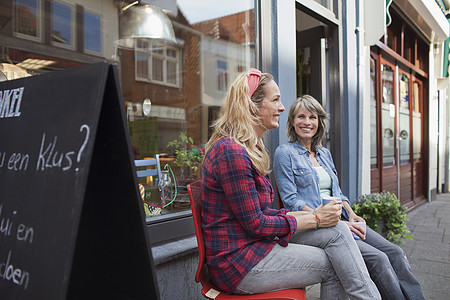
92	32
388	115
27	19
417	120
373	115
185	83
172	91
62	23
404	130
303	71
157	62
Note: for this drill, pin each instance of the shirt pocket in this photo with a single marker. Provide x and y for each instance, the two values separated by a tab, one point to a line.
302	177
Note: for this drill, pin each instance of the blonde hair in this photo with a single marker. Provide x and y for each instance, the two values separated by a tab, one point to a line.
310	104
238	116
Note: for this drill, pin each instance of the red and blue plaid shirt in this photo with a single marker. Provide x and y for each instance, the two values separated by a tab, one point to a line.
239	228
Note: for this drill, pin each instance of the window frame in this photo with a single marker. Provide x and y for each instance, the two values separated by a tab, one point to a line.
222	76
39	27
150	53
101	27
73	25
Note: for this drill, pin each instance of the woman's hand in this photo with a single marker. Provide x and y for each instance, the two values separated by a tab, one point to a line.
356	224
329	214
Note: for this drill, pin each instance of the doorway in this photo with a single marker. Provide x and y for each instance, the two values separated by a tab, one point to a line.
396	131
311	41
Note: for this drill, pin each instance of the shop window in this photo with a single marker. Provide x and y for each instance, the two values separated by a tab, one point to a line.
417	95
63	24
388	115
172	92
404	116
373	115
158	62
92	32
27	19
183	88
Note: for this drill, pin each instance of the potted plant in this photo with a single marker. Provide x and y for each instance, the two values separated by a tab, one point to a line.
384	213
188	157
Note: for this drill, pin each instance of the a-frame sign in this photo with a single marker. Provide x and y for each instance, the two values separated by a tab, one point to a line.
72	225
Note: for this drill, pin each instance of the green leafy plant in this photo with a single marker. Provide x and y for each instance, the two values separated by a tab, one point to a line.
186	154
379	208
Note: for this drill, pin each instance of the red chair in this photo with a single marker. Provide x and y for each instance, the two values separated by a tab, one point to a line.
280	202
208	289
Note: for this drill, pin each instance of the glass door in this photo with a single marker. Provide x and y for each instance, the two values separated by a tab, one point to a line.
417	142
388	127
374	123
396	132
404	139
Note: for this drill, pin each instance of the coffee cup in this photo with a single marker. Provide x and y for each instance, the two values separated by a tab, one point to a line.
328	199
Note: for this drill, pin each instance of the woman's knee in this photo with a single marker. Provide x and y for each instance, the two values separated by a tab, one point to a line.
377	260
343	228
396	252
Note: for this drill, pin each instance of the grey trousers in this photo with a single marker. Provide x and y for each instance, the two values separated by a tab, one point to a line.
389	268
328	256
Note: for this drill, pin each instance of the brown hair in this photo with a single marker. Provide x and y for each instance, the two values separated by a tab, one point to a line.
310	104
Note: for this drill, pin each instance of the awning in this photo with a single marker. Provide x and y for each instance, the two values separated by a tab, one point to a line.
432	14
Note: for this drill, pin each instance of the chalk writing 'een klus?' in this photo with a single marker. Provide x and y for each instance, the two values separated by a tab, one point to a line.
10	101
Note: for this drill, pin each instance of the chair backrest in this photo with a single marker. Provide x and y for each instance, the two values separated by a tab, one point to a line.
209	290
195	197
280	202
156	171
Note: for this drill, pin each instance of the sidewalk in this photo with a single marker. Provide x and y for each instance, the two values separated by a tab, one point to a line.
428	252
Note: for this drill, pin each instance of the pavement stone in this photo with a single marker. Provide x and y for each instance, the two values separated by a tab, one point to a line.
429	250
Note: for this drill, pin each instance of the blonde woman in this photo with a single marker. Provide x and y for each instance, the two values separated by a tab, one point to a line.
247	243
305	173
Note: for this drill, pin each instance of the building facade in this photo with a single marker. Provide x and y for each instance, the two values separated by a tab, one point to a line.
379	68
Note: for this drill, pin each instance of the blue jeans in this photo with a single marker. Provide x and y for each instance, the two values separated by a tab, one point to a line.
328	256
389	268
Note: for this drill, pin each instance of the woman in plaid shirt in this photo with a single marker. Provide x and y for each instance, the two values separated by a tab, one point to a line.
247	243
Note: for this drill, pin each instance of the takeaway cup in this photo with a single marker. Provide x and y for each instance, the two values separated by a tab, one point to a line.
328	199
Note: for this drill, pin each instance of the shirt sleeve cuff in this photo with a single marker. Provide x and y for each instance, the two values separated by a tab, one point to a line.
284	241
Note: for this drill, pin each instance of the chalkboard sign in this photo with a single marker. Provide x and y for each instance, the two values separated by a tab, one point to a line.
71	220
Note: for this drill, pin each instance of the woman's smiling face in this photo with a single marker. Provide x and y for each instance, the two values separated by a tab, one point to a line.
271	107
306	124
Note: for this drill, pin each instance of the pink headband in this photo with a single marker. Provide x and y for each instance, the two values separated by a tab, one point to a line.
253	79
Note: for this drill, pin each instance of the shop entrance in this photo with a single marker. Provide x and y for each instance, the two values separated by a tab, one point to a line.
311	57
317	53
396	121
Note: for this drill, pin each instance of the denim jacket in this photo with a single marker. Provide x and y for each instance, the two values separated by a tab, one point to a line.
298	181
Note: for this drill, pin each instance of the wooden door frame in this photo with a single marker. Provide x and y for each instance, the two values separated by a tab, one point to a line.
381	57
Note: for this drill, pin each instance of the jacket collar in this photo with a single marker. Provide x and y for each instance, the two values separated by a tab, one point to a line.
302	150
